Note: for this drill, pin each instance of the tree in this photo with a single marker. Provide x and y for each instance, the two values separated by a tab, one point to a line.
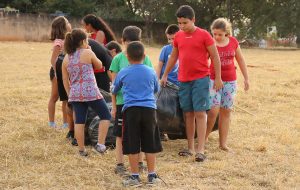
149	11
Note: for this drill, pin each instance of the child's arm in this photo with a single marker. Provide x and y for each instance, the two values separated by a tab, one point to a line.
113	97
241	62
171	62
54	56
65	75
213	52
114	105
158	68
97	64
100	36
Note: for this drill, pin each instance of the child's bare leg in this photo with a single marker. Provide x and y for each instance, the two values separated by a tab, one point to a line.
190	129
53	99
70	119
119	151
224	122
64	111
151	158
211	120
201	120
141	156
133	161
79	134
102	132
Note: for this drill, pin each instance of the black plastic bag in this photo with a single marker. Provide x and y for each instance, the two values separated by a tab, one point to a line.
169	115
93	133
92	124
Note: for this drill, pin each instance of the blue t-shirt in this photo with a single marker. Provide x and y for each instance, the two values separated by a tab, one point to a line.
164	57
139	83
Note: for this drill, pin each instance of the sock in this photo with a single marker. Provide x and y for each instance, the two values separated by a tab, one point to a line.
135	175
51	124
65	125
152	174
102	146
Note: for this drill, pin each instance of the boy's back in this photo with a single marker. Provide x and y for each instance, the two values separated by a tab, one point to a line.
120	62
138	83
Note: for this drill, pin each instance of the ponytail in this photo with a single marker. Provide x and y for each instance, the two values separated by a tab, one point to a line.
69	48
73	40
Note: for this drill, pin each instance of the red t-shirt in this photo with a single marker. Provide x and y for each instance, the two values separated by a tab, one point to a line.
93	36
227	55
192	53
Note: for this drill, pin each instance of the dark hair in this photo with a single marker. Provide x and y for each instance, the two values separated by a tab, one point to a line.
58	28
131	33
185	11
114	45
99	24
74	40
135	51
172	29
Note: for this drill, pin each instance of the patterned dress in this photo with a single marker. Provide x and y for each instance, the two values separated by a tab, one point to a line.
83	86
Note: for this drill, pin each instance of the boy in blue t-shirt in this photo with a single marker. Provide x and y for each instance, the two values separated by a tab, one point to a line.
165	54
140	133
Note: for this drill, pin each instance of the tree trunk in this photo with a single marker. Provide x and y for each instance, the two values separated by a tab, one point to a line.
298	40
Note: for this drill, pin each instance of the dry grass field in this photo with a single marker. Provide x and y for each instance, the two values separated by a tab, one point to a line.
264	136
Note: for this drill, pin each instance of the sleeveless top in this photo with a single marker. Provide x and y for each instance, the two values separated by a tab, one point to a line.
94	35
83	86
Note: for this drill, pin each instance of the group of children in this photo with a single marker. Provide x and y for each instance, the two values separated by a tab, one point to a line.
205	90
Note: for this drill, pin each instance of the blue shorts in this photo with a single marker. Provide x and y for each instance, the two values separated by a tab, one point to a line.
99	106
224	97
194	95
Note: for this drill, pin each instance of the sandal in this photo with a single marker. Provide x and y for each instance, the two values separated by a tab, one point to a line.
199	157
185	153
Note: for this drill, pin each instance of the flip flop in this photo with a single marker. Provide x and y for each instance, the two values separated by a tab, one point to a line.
185	153
199	157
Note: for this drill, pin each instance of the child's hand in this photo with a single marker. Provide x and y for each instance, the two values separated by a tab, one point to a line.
218	84
113	112
163	80
246	85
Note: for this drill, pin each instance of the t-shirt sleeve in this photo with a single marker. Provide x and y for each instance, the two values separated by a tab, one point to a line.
147	61
208	39
114	67
162	55
235	42
175	41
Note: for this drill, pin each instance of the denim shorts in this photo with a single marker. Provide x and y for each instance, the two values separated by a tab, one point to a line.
224	97
194	95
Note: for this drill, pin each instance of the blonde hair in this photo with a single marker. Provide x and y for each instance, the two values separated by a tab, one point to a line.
222	24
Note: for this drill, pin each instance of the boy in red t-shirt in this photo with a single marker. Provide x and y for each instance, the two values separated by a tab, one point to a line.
222	101
193	46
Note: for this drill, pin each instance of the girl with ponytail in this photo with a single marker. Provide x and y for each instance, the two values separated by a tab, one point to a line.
81	87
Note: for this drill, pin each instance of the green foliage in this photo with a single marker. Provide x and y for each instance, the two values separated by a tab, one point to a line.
251	17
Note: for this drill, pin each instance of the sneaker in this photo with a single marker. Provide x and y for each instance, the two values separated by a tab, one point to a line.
132	181
70	135
74	142
120	170
164	137
142	167
154	179
83	153
100	148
